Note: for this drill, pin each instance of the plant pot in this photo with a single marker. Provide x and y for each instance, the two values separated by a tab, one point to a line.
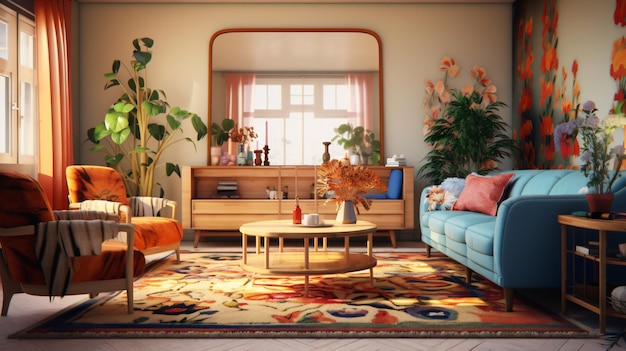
600	202
346	213
216	154
355	159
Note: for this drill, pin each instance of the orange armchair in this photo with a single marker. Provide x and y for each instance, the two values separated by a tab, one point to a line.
102	188
51	253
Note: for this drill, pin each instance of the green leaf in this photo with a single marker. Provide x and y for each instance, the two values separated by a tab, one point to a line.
114	160
99	132
115	68
199	126
172	168
156	130
173	122
120	137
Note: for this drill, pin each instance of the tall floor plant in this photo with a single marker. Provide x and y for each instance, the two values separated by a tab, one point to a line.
141	125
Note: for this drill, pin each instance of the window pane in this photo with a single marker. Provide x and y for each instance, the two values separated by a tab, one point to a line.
4	40
27	50
5	115
260	97
27	118
274	97
329	97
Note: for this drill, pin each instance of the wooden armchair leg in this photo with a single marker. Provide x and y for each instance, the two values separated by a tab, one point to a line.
9	286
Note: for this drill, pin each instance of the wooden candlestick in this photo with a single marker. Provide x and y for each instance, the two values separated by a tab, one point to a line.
257	157
267	159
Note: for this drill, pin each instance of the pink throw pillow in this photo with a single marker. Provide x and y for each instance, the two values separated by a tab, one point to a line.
482	194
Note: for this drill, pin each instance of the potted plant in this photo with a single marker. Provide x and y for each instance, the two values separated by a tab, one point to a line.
360	142
467	134
132	135
597	153
219	135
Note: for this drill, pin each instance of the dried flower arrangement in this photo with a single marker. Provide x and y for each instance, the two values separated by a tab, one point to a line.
243	135
348	182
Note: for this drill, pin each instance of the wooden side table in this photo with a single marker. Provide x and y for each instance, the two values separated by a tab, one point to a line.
603	227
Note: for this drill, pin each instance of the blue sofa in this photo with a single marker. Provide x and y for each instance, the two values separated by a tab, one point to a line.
519	247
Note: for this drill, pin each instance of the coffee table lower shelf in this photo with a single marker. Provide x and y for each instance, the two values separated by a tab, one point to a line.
293	263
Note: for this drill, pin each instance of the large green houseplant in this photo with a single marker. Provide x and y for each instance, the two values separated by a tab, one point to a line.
141	125
470	138
358	141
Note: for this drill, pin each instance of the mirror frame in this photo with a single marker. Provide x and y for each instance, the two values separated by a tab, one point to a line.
302	30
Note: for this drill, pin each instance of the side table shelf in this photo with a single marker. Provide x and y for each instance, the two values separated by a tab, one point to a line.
572	292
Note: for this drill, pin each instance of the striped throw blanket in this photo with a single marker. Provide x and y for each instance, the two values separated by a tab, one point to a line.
56	242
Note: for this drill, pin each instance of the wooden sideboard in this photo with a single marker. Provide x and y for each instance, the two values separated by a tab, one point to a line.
208	214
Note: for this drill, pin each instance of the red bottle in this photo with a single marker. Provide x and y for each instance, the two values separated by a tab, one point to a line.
297	213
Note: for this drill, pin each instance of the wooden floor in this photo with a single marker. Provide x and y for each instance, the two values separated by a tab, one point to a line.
26	310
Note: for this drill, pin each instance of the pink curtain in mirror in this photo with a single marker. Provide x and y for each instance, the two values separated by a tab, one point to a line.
239	98
360	99
52	23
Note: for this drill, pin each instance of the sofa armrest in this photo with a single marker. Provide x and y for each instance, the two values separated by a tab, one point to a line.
527	238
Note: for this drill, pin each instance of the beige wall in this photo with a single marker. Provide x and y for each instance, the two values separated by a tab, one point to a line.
414	39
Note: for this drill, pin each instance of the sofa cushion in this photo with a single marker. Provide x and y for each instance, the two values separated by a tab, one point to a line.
456	228
482	194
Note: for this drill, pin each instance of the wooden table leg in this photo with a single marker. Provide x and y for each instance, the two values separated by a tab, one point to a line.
370	238
306	267
267	252
244	245
563	268
602	280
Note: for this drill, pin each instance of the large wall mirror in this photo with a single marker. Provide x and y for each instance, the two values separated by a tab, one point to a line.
295	86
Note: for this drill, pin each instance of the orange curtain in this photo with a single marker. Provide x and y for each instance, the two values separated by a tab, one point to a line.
52	23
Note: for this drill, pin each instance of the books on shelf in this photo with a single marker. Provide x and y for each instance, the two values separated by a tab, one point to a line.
396	161
226	186
227	190
587	250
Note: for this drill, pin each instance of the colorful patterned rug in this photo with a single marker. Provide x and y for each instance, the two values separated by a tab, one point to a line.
210	295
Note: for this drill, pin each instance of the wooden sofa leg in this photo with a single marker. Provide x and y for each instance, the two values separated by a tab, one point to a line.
427	251
508	299
468	275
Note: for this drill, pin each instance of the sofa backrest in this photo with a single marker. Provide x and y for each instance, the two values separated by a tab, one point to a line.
552	182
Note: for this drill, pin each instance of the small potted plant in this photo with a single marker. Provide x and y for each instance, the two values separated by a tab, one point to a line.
219	135
360	142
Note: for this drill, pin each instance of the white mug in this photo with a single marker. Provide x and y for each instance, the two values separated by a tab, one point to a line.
311	219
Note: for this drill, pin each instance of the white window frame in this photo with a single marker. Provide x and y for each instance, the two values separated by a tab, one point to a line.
298	154
21	127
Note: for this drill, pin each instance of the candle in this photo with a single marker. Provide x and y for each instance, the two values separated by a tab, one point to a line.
266	143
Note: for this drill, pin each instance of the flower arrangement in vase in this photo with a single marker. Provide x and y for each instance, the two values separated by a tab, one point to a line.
243	136
349	183
597	153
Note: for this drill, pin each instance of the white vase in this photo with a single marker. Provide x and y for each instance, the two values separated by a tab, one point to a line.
346	213
216	154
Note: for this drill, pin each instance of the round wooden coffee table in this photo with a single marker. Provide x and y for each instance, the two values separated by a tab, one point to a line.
306	262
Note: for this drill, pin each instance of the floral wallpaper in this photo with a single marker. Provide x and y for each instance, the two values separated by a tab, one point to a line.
556	97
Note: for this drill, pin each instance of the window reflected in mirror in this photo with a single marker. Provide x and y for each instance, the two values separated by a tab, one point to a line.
297	108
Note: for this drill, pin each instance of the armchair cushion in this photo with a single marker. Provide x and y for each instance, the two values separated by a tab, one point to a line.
156	231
